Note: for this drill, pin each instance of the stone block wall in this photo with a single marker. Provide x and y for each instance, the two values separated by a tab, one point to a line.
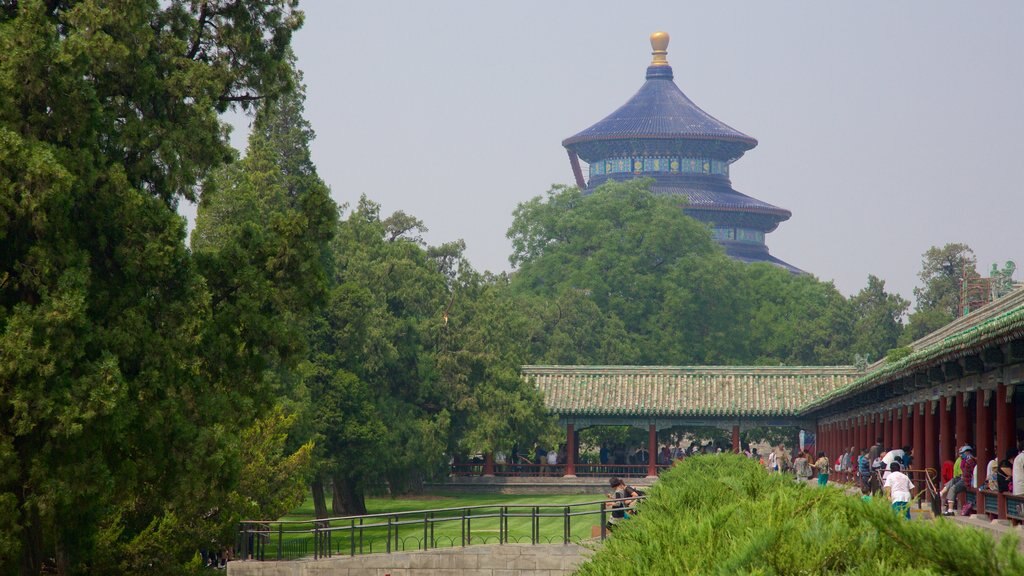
487	560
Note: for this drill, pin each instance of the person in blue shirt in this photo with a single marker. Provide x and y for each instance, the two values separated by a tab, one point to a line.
864	471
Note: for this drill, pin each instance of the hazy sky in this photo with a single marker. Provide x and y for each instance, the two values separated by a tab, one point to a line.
885	127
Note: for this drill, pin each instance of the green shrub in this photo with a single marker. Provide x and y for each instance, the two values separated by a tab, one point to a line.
724	514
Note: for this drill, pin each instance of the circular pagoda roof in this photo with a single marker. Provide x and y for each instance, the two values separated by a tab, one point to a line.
659	110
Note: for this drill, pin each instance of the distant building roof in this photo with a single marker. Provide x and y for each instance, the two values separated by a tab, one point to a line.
1000	322
660	110
661	134
686	391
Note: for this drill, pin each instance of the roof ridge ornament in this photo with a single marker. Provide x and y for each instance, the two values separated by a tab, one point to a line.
659	45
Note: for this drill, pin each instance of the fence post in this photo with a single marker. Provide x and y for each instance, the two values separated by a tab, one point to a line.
316	540
387	549
501	525
352	537
469	527
243	543
280	536
426	527
604	521
566	527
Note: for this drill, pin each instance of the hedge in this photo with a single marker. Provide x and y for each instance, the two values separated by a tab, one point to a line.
724	514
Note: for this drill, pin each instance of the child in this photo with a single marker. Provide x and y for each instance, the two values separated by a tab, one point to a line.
898	487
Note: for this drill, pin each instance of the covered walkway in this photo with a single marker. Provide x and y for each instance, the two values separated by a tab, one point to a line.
956	386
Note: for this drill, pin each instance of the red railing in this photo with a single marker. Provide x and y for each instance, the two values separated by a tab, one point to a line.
556	470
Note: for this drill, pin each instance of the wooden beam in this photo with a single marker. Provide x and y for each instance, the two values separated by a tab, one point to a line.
1017	349
973	364
953	370
994	356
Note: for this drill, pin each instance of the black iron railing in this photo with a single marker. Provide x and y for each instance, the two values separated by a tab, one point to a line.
418	530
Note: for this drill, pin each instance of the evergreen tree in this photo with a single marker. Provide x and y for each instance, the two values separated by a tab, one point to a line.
878	319
624	276
113	438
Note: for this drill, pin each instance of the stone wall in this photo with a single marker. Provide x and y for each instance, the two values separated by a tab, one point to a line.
487	560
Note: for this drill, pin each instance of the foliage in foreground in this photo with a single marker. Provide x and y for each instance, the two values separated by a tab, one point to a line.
724	515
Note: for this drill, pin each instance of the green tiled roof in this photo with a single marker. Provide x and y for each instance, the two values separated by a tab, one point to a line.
997	323
685	391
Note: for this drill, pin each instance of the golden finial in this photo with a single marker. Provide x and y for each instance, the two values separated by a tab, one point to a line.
659	43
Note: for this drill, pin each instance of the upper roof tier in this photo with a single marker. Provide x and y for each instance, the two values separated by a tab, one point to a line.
659	110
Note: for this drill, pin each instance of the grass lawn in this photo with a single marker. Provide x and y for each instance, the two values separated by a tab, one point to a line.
444	528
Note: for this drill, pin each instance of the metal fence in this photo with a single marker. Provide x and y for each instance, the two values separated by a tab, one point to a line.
417	530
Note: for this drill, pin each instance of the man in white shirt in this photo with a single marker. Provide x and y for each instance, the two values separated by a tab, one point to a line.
898	487
891	456
553	461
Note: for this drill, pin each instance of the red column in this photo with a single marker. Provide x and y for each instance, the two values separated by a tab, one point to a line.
844	434
906	426
946	443
652	451
983	449
887	429
930	436
489	464
918	436
865	432
1004	423
1005	432
876	426
962	431
570	450
897	427
736	438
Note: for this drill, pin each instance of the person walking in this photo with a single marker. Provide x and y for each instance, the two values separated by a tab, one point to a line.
864	471
621	501
802	467
821	465
898	487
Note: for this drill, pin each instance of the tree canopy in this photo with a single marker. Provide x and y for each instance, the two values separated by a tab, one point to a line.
118	430
623	276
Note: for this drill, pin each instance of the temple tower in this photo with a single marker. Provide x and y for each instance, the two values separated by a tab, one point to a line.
659	133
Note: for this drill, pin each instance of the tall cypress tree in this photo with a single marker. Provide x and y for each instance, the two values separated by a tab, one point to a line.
114	436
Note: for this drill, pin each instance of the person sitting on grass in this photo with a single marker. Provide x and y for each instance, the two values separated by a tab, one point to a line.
898	487
622	498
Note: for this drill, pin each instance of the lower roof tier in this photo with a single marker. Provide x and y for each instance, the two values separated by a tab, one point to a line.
751	253
710	199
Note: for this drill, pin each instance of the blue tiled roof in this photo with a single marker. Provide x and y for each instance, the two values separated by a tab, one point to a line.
705	198
661	110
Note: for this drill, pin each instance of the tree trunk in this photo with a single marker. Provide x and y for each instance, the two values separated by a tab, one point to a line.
348	499
319	502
